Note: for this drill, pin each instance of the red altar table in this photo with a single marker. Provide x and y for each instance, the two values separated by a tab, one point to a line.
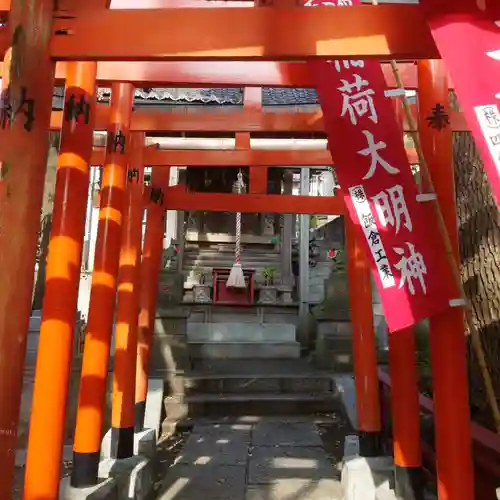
237	296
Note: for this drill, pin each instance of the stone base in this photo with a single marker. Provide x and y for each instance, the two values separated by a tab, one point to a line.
201	294
169	351
154	405
268	295
333	350
240	332
134	476
346	388
244	350
105	490
362	477
385	495
170	288
144	444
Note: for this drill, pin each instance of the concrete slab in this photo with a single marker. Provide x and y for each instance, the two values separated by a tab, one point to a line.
291	489
286	434
134	477
268	464
105	490
154	405
231	432
351	447
347	391
144	444
385	495
218	450
203	482
362	477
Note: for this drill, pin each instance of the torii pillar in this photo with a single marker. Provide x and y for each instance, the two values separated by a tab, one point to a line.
23	156
447	333
90	415
56	344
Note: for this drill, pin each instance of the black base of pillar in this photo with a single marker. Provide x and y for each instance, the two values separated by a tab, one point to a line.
85	469
410	483
139	415
370	444
122	442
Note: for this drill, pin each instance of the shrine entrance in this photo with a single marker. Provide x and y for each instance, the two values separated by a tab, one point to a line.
158	354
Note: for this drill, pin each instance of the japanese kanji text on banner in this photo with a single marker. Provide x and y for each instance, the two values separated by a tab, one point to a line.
406	249
468	38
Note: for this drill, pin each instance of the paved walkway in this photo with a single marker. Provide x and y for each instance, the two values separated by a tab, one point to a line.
268	460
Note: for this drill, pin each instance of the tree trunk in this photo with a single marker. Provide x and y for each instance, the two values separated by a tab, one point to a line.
45	223
479	231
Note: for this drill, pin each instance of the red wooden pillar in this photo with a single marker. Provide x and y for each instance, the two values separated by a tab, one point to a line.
150	269
405	416
364	348
61	285
405	408
123	408
447	335
91	403
23	155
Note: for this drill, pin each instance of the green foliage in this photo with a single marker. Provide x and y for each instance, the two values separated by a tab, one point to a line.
269	275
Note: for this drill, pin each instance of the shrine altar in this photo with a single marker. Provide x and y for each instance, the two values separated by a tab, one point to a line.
228	295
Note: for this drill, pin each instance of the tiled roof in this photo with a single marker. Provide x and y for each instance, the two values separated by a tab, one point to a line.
270	96
225	96
185	95
288	97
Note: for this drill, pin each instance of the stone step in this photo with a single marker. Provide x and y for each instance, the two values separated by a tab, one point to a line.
253	368
202	405
256	314
229	248
240	332
214	256
244	350
311	383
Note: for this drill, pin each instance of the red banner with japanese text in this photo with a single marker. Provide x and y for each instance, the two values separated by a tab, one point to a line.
401	234
469	42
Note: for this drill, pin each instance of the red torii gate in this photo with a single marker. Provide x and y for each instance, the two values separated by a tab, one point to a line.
359	31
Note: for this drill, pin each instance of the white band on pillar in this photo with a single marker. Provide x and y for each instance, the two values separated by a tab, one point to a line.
457	302
423	197
395	92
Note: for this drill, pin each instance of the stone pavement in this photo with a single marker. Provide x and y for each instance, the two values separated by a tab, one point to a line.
268	460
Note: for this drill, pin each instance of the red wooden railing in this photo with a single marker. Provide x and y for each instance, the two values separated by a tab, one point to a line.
486	445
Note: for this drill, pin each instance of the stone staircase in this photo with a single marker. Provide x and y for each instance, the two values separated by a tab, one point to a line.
246	369
212	341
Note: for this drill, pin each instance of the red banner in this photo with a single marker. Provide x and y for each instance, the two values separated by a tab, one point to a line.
401	235
469	42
